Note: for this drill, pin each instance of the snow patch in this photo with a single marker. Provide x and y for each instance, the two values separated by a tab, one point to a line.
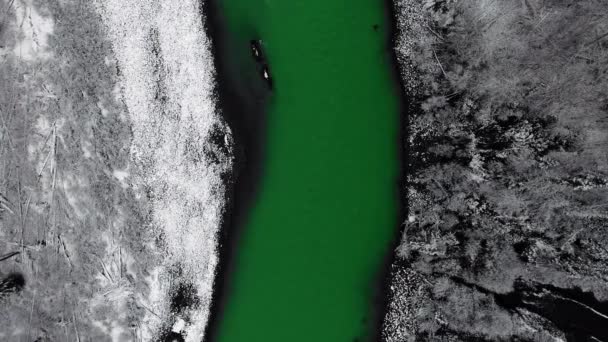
122	176
35	29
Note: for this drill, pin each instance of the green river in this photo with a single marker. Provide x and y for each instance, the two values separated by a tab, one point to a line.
325	214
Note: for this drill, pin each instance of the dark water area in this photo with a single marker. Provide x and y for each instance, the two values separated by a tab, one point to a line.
242	98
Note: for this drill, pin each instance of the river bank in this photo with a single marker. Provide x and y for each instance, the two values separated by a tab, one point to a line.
243	101
384	281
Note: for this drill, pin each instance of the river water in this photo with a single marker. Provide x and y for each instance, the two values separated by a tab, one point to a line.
323	219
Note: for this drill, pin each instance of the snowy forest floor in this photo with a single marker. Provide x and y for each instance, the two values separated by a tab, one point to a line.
508	172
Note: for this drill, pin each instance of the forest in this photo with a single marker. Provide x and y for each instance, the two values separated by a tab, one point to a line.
507	171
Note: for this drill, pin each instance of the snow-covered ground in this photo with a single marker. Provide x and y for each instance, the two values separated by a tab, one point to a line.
119	201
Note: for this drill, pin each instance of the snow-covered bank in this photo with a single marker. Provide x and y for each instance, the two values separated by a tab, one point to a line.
167	84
